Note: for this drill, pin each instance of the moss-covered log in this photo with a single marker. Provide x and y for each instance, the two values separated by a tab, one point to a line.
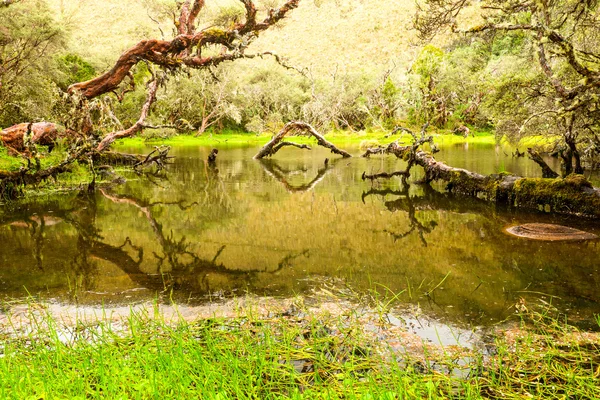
571	195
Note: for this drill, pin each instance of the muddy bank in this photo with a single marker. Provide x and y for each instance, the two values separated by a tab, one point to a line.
402	332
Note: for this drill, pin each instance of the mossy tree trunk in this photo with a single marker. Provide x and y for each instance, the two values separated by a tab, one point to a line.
570	195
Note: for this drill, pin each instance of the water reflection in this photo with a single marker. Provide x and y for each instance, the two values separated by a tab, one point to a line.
281	174
405	203
271	227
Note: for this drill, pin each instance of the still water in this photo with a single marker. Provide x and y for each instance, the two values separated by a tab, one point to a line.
278	227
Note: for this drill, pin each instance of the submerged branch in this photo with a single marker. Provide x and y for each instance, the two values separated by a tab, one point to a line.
547	172
385	175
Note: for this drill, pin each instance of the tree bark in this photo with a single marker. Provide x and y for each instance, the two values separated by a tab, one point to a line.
177	52
39	133
139	125
547	172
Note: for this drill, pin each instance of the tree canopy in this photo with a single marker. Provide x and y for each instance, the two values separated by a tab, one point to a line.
562	96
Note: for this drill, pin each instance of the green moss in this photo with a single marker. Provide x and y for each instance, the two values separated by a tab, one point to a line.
77	175
215	33
570	195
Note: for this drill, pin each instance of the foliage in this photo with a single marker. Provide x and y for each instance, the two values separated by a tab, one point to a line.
29	37
74	69
556	42
447	88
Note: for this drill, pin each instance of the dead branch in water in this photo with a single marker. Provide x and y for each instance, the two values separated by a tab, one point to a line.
571	195
547	172
159	157
275	144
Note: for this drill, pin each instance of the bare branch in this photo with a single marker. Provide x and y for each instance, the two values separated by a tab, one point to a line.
269	148
386	175
139	125
282	144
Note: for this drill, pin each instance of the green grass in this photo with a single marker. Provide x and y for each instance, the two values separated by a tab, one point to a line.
233	138
77	176
285	356
9	163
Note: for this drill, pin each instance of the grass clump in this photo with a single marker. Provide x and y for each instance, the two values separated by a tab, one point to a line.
242	358
544	357
292	354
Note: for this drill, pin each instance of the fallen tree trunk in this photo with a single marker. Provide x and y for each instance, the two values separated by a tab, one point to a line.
571	195
292	127
18	136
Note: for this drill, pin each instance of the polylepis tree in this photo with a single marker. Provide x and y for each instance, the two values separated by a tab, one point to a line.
192	47
562	36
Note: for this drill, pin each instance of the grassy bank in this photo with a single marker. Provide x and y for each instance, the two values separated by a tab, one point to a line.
331	351
234	138
78	175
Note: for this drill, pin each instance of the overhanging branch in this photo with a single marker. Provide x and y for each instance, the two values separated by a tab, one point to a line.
175	53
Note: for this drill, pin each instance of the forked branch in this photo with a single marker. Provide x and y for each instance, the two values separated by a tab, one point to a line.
295	127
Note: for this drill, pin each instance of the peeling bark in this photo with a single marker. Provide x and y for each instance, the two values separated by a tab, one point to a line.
291	127
17	136
178	51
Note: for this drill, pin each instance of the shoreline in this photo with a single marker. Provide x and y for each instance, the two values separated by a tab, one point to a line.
319	346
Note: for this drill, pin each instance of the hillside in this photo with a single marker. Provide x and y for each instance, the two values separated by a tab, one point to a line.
325	35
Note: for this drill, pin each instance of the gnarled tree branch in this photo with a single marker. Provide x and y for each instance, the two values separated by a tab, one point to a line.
272	147
177	52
